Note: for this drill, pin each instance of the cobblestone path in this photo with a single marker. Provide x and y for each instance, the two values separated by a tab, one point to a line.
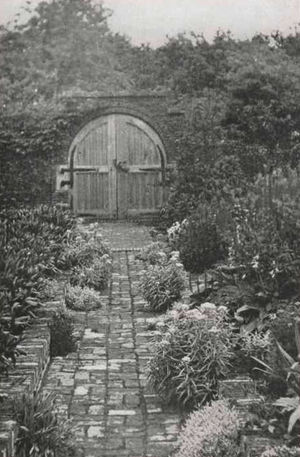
102	388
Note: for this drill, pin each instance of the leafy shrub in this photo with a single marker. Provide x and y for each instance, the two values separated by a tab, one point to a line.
174	233
282	326
155	254
266	246
8	348
30	243
161	285
281	451
290	403
200	244
40	432
62	339
251	345
49	289
211	431
96	275
81	298
82	249
192	354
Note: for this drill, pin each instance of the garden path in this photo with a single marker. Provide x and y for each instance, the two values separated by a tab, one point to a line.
103	387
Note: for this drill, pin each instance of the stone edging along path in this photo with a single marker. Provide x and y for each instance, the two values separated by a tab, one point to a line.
26	376
102	387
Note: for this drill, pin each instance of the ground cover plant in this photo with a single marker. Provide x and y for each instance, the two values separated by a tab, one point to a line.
62	339
82	248
213	430
191	355
162	284
281	451
96	275
81	298
41	433
156	253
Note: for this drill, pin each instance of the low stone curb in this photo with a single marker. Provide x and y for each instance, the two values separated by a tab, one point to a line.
25	377
242	391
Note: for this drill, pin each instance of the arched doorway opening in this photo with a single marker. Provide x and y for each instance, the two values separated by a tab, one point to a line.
118	165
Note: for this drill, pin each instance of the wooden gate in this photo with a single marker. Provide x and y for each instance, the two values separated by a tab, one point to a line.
119	168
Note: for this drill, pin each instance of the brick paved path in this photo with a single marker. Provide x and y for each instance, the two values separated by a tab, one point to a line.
102	388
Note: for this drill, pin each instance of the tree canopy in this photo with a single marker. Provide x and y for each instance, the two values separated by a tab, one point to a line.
242	97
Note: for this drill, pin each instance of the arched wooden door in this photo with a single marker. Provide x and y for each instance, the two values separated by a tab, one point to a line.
119	167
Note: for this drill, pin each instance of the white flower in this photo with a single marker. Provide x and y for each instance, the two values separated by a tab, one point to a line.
223	309
208	307
186	359
213	329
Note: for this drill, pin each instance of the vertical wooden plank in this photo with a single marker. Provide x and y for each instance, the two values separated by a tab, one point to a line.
112	156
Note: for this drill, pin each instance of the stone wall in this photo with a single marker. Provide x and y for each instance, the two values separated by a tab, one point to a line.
160	112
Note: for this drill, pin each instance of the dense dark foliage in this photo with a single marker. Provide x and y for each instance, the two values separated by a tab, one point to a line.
31	241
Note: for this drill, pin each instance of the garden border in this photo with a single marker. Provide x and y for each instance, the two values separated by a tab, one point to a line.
25	377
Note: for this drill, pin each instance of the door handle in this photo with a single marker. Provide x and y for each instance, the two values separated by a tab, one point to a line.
121	166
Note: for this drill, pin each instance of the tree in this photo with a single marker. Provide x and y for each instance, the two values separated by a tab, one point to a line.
263	113
65	45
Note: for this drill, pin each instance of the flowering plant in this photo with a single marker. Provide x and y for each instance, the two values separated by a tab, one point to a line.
81	298
154	254
161	285
96	275
174	233
192	353
211	431
281	451
82	248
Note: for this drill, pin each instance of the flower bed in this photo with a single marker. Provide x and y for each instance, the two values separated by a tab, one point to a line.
25	377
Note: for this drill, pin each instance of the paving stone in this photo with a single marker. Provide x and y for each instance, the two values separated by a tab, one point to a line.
95	432
121	412
104	385
80	390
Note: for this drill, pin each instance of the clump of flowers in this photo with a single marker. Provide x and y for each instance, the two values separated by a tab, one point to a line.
82	249
96	275
192	353
281	451
161	285
211	431
154	254
174	233
256	344
81	298
49	289
252	347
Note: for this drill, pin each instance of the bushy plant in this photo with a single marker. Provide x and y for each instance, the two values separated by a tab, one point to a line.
82	249
251	345
8	348
161	285
291	368
266	245
62	340
81	298
96	275
41	433
154	254
200	243
281	451
191	355
49	289
30	243
282	326
213	430
174	233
